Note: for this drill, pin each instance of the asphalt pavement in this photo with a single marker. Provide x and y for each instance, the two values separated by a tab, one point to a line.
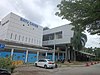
71	70
90	70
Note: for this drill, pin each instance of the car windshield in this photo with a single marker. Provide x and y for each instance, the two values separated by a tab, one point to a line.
49	60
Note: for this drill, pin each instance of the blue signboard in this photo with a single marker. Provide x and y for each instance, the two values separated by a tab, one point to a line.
2	45
28	22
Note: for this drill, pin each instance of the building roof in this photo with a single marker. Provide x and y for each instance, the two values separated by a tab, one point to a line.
87	53
7	42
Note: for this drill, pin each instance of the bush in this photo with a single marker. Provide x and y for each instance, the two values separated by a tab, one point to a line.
6	63
95	59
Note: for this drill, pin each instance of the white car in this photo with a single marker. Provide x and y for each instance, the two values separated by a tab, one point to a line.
46	63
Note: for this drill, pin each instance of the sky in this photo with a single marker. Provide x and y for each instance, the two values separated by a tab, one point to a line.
41	12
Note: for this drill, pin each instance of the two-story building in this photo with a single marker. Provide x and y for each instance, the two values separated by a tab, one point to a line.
59	39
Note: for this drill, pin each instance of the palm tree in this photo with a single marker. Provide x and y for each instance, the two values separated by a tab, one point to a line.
79	40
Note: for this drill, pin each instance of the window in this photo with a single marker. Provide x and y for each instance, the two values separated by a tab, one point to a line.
42	60
23	38
11	35
15	36
26	39
48	37
32	40
19	37
58	35
37	41
51	36
29	40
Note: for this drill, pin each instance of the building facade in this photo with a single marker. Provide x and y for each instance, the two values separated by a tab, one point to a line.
21	39
18	29
24	40
59	39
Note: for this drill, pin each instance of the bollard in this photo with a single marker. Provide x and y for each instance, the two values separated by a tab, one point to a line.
92	63
87	64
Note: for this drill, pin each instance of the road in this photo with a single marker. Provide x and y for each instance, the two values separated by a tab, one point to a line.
30	70
91	70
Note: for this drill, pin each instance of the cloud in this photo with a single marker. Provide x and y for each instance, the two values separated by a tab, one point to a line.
41	12
93	40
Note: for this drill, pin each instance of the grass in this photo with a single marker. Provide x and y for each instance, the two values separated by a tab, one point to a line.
67	64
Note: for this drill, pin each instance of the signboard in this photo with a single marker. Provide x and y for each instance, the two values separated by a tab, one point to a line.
28	22
2	45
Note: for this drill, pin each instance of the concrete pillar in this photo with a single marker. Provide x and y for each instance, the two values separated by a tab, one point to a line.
12	52
54	47
71	55
46	55
58	55
26	56
54	56
37	55
63	55
66	53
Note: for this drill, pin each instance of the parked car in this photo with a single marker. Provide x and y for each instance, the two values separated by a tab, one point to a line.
4	72
46	63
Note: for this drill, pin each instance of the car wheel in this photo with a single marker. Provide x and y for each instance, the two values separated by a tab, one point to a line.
35	64
56	65
45	66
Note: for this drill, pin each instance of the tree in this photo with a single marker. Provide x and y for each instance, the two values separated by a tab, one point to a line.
6	63
82	13
79	40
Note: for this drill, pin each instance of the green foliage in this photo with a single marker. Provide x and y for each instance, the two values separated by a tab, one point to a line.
79	40
6	63
95	51
82	14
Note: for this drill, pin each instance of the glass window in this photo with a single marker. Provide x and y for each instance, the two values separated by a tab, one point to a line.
48	37
32	40
23	38
29	40
42	60
15	36
58	35
37	41
11	36
26	39
51	36
19	37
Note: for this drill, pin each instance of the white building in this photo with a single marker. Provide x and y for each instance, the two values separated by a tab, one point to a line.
59	39
17	29
21	39
58	35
